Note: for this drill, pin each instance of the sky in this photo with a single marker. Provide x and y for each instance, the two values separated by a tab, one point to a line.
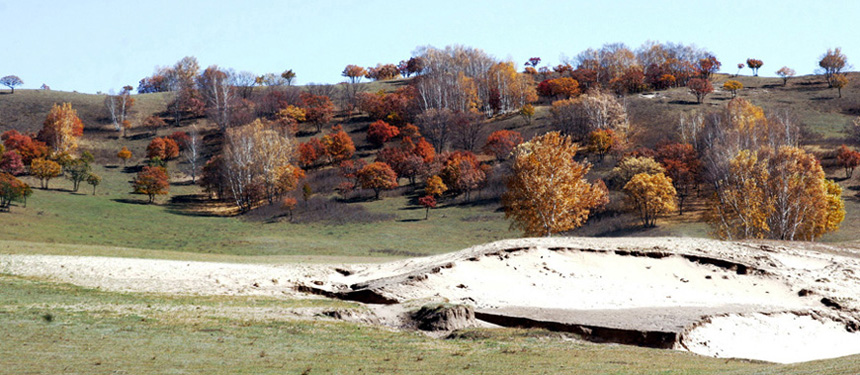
97	46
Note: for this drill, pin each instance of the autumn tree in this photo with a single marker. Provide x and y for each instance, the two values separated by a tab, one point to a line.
740	66
310	152
434	186
708	66
11	81
12	189
338	145
218	91
785	73
380	132
25	145
754	64
562	88
428	202
527	112
700	88
595	110
124	155
547	191
776	194
354	73
631	166
833	62
602	141
847	159
733	86
839	81
319	110
12	163
45	170
151	181
682	165
650	195
462	172
61	129
377	176
435	124
119	107
383	72
255	158
502	143
164	148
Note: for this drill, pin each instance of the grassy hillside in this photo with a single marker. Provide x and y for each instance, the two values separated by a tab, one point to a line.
185	221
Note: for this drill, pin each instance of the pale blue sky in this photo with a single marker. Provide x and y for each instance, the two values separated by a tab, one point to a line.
90	45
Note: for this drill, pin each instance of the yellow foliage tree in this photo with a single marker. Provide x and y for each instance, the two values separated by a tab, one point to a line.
61	129
733	86
650	195
777	194
631	166
547	191
45	170
435	187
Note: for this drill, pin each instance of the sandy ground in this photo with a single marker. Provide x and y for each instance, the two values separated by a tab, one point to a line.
760	301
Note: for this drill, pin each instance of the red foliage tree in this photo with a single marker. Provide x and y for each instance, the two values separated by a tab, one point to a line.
587	78
427	202
310	152
631	81
380	132
700	88
682	165
319	110
28	147
709	66
12	163
181	139
848	159
501	143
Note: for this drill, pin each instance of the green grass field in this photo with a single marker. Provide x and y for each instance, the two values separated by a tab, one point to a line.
50	328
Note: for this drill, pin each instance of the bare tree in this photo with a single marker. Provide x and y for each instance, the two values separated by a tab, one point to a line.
192	153
244	82
435	124
218	91
119	106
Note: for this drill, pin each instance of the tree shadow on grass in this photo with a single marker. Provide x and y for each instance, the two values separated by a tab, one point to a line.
190	205
131	201
684	102
409	220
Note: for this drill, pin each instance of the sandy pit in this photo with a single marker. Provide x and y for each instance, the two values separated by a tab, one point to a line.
770	302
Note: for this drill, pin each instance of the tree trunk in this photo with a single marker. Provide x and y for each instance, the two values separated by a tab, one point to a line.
426	213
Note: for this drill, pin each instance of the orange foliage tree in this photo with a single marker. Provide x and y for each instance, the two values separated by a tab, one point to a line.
164	148
833	62
12	189
547	191
602	141
754	64
501	143
338	145
377	176
151	181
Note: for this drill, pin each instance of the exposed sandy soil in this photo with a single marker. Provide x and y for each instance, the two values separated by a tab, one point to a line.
769	302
